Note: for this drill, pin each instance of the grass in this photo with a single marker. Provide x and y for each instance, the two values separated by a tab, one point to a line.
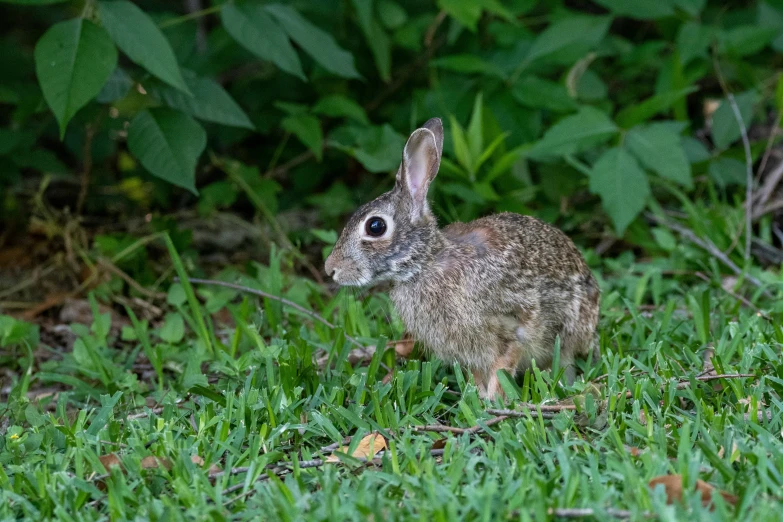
201	417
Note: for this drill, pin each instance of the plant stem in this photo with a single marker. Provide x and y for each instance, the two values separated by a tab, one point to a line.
190	16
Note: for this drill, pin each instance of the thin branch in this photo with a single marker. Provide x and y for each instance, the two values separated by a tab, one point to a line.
706	378
89	134
145	414
735	295
191	16
768	148
589	512
709	246
439	428
111	267
748	174
290	164
766	190
273	297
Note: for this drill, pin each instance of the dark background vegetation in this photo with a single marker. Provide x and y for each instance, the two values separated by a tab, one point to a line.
145	140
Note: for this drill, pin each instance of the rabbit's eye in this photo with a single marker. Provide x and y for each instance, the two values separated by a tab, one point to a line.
375	227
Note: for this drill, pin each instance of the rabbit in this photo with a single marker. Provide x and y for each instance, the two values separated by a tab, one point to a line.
492	294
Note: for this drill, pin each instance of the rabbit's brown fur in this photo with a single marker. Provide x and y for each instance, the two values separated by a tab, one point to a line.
491	294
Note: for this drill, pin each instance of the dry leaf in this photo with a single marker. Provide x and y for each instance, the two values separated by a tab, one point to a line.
633	451
153	462
709	107
439	444
672	484
735	453
198	461
110	460
368	447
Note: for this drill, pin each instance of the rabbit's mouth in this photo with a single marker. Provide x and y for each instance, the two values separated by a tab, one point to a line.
349	277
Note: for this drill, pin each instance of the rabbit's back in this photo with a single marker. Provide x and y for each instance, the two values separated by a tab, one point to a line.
502	282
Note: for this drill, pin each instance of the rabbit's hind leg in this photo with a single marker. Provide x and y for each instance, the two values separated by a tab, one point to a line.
490	385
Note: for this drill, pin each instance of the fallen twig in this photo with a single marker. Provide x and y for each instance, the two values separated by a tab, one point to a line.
145	414
709	246
589	512
735	295
440	428
767	188
705	378
273	297
683	384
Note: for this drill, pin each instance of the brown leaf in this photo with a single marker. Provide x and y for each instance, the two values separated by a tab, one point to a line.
439	444
672	484
368	447
634	451
152	462
110	460
198	461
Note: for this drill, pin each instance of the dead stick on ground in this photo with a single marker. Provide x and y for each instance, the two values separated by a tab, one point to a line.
589	512
735	295
283	300
439	428
769	186
709	246
705	378
681	385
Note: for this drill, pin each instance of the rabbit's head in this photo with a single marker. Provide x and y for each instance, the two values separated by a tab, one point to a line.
392	237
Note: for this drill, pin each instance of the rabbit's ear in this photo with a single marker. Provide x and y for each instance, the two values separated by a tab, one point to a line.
420	162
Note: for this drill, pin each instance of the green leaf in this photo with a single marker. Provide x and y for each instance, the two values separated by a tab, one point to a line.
338	105
695	150
725	128
660	149
693	41
568	39
257	32
475	131
745	39
537	93
636	114
376	37
692	7
209	102
468	64
728	171
307	128
116	87
139	38
315	42
466	12
73	60
622	185
487	153
377	148
575	133
391	14
34	2
772	16
173	329
461	148
168	144
639	9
